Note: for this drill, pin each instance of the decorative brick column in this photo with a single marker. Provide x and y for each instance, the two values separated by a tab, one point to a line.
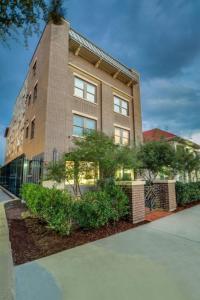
135	192
167	194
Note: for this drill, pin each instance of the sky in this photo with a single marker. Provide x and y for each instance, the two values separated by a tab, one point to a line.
158	38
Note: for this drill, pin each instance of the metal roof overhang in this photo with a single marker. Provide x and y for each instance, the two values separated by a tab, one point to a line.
92	53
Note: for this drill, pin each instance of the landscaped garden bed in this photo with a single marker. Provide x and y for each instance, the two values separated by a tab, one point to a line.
32	239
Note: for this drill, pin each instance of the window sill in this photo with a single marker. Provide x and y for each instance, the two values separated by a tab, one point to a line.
122	115
95	103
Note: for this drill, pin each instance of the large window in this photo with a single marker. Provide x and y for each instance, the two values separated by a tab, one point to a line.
122	136
32	129
82	125
84	90
121	106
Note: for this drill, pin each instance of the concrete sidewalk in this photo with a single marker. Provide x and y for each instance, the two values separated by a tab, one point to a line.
157	261
4	197
7	289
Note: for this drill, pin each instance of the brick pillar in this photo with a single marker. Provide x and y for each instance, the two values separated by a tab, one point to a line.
135	192
167	194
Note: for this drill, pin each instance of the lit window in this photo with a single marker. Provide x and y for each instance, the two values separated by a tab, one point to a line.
122	136
32	129
84	90
82	125
121	106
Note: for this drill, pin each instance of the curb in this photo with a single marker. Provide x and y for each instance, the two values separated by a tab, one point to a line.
14	197
7	285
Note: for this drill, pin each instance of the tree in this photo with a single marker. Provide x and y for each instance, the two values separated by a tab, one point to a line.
21	14
56	12
96	151
155	158
186	162
27	15
100	149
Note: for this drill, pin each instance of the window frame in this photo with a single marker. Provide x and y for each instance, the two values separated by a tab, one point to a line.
35	91
84	128
120	105
121	137
34	68
32	134
85	90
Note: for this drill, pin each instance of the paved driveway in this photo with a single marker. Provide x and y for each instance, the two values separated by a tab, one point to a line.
157	261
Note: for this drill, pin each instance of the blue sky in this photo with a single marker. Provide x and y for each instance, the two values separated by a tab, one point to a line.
159	38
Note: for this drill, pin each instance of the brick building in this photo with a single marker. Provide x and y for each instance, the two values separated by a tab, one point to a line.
72	86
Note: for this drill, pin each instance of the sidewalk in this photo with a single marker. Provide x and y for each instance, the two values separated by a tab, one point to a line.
4	197
156	261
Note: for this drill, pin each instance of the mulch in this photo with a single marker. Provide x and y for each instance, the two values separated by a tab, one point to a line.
31	238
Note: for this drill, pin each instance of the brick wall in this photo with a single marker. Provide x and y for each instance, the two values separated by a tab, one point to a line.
135	192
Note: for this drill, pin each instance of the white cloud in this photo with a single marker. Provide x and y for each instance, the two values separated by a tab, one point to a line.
195	137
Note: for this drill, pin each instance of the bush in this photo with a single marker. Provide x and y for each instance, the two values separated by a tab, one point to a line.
93	210
187	192
119	200
97	208
59	210
54	206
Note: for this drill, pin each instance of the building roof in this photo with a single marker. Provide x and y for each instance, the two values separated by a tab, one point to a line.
156	134
84	42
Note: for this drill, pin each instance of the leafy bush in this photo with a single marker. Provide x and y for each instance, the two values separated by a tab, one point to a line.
54	206
187	192
93	210
119	200
97	208
59	210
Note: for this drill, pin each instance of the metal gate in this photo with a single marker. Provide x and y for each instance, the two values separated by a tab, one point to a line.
151	197
19	171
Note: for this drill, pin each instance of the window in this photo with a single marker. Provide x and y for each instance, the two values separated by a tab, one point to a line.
32	129
35	92
29	99
121	106
84	90
34	68
122	136
27	131
82	125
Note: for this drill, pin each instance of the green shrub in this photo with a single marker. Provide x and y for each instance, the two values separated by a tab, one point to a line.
93	210
33	195
120	202
187	192
56	207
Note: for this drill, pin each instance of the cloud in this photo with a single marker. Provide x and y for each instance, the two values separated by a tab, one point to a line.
159	38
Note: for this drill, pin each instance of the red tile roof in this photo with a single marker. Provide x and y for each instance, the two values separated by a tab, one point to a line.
157	134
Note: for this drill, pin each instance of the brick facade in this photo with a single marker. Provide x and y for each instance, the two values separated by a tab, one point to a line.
58	62
135	192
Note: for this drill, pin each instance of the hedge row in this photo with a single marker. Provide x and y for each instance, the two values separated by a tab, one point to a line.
60	210
187	192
